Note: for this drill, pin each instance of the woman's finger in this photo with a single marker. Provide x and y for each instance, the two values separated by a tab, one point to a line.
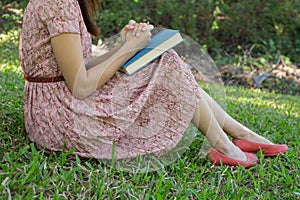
150	27
142	28
129	27
136	30
145	27
132	23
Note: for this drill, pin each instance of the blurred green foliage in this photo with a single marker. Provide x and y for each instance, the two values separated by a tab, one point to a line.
225	28
269	27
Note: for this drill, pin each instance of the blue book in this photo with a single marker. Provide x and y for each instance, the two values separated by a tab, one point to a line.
160	43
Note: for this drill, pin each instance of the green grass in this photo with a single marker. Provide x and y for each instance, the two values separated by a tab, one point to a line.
26	173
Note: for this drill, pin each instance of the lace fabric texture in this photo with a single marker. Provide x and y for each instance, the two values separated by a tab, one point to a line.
147	112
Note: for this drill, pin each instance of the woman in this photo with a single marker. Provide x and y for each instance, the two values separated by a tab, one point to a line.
73	101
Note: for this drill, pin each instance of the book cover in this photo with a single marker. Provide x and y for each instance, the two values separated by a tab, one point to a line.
160	43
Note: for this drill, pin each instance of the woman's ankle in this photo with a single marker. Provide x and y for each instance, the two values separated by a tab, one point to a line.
231	151
223	147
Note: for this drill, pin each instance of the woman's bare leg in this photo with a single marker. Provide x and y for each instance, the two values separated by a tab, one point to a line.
230	125
207	123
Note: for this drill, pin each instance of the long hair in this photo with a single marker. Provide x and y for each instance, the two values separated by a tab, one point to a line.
89	11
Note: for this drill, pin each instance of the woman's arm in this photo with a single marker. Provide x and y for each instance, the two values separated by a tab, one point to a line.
135	29
82	81
97	60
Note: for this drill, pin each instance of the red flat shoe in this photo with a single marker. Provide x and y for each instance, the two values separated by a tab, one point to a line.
218	159
253	147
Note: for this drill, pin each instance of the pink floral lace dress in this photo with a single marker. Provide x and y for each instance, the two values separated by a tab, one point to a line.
146	112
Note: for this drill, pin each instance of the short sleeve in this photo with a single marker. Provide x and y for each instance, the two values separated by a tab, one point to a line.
60	16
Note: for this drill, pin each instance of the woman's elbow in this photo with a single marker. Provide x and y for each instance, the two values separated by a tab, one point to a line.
82	92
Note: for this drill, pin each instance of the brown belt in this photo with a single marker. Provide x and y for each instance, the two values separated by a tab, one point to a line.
43	79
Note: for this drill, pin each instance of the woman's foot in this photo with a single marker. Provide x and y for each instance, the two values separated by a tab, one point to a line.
253	147
230	150
248	141
236	153
253	137
218	159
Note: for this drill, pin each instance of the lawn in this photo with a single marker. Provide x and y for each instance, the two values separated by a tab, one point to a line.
27	173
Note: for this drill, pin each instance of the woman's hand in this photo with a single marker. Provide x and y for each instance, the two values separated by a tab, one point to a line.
136	29
141	27
129	27
136	41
